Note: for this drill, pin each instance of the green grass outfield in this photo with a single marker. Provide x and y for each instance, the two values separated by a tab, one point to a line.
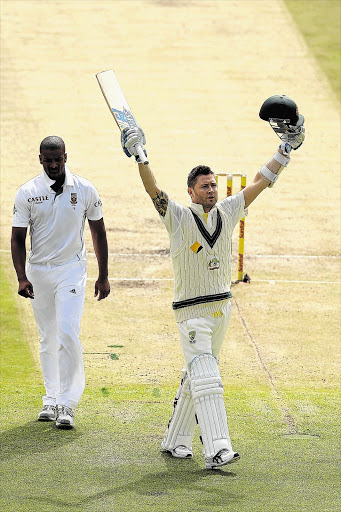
112	460
319	23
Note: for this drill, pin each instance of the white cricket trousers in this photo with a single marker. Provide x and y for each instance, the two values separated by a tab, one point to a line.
59	293
204	335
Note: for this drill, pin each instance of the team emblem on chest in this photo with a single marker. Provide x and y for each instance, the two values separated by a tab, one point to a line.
73	200
213	264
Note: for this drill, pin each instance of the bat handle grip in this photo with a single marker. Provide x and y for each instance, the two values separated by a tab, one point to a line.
142	155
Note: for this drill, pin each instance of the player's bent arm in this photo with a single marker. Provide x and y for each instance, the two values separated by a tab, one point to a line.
260	181
159	198
100	243
18	249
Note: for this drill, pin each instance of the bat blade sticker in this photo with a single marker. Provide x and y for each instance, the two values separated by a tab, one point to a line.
121	119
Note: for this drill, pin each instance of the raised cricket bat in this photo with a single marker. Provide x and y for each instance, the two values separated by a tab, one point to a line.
118	105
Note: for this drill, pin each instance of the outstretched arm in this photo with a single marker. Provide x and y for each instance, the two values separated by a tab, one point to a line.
159	197
131	139
262	179
282	114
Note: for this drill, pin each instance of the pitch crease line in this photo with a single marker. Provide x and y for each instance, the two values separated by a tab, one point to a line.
270	281
249	256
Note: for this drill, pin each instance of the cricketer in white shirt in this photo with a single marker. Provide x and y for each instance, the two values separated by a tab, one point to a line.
55	205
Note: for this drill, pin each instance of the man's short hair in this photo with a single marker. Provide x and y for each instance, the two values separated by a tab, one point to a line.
197	171
52	142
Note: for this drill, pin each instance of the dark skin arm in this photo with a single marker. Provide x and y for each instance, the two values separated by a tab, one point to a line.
99	240
18	249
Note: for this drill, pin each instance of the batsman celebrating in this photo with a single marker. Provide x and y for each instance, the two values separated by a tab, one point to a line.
200	247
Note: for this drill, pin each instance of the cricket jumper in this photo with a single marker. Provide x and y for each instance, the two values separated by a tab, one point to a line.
200	246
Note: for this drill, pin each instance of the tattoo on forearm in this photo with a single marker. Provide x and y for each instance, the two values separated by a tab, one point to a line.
161	202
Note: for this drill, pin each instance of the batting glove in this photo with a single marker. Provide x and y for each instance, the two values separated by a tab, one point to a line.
130	138
294	137
286	148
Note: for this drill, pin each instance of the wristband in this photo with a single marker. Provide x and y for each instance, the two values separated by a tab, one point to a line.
281	159
268	175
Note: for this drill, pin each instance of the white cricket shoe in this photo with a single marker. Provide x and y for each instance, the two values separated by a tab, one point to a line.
180	452
48	413
221	458
65	417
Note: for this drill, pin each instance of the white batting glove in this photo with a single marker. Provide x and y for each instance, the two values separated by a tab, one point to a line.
130	139
286	148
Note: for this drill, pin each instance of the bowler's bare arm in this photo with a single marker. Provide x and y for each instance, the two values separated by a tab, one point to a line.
159	197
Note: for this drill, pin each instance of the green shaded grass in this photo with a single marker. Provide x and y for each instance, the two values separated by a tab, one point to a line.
319	22
16	361
112	460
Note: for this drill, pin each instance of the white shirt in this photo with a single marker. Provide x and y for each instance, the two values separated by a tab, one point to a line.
56	222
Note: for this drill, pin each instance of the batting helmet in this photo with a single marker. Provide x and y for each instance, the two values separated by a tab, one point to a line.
281	108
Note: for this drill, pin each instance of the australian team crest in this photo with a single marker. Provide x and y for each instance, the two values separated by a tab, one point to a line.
73	200
213	264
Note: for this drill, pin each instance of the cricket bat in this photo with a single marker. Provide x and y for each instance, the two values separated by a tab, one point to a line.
118	105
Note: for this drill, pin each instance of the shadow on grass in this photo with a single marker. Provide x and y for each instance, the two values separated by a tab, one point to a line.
182	480
34	437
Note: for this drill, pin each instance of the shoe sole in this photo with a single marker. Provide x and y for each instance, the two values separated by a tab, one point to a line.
46	418
64	426
236	458
219	465
188	456
176	456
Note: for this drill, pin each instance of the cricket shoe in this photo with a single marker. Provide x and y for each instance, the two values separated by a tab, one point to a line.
48	413
65	417
221	458
181	452
235	458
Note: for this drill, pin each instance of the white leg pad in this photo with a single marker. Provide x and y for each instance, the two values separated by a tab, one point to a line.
182	424
207	393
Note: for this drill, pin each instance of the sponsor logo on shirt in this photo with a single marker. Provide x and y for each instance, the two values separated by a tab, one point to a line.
98	203
38	200
196	247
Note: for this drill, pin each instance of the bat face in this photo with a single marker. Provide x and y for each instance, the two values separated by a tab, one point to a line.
124	118
118	105
115	99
